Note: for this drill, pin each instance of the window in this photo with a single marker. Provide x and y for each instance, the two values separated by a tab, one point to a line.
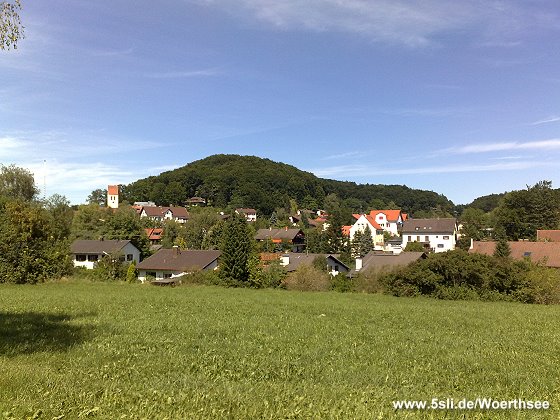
409	238
166	275
80	257
129	257
418	238
336	268
427	238
446	237
92	258
150	273
527	254
440	245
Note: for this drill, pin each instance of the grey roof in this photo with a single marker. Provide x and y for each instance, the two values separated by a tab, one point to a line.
386	262
288	234
418	226
297	259
83	246
179	260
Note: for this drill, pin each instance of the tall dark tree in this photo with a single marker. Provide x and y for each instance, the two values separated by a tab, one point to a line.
98	196
236	251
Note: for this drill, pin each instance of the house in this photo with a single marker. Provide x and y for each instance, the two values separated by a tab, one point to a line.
171	263
250	215
294	237
388	220
366	221
178	214
196	201
437	235
547	253
385	262
548	235
291	261
154	235
113	196
86	253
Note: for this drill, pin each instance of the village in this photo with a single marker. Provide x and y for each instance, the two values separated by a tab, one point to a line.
395	240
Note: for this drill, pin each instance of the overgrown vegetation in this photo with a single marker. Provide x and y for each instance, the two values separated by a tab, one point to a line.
460	275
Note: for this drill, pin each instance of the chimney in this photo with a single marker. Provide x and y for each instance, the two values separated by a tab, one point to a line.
286	228
359	262
176	250
284	260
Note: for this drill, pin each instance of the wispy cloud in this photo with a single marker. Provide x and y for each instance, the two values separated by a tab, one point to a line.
362	171
344	155
551	144
415	23
547	120
184	74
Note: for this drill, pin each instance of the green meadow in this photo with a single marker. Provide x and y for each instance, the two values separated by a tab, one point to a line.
77	350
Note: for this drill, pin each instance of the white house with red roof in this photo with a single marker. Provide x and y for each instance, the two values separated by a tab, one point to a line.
364	221
389	220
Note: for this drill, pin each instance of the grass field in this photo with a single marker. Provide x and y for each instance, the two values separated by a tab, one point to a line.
73	350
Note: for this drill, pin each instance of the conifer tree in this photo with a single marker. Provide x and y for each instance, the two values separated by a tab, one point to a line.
236	251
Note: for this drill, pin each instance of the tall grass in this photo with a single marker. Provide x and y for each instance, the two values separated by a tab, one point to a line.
130	351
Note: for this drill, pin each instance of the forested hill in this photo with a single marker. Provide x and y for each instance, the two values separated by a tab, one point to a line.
249	181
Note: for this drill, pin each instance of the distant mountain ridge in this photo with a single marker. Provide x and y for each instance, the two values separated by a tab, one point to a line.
249	181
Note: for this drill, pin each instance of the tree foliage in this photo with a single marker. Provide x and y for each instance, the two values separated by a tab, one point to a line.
11	29
521	213
30	249
236	252
17	183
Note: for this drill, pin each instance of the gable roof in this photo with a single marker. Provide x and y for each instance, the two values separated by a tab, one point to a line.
418	226
113	190
384	261
246	211
179	260
154	234
548	235
372	222
84	246
545	252
391	215
280	234
298	259
158	211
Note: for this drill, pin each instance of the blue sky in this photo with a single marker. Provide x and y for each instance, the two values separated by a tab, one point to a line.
462	98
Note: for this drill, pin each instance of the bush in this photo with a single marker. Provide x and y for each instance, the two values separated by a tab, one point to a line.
542	285
368	282
307	278
341	283
209	277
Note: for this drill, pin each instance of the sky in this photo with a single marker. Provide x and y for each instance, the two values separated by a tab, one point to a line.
461	98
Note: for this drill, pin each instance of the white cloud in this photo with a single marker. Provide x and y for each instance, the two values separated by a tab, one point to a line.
360	171
410	22
547	120
551	144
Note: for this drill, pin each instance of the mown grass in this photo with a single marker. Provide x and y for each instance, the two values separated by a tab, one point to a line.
129	351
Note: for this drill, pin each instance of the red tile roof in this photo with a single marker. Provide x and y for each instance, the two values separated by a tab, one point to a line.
154	234
113	190
548	235
546	252
392	215
346	230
